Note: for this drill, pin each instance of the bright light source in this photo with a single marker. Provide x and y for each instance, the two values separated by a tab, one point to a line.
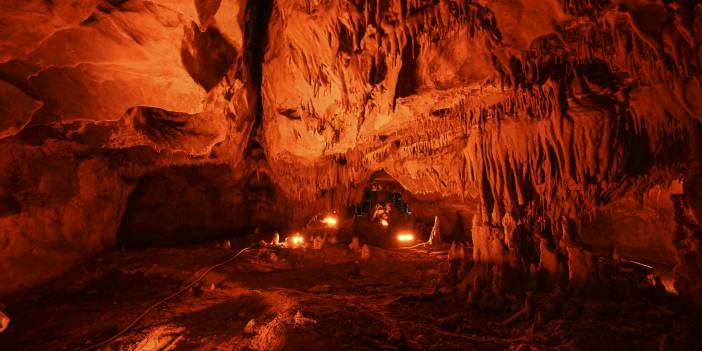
384	223
330	221
297	240
405	237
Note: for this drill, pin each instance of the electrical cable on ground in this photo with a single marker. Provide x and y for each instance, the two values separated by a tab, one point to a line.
162	301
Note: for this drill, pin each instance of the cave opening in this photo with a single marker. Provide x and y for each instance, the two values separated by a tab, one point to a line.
387	208
350	175
383	211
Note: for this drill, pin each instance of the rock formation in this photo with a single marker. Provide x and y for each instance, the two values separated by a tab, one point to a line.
215	112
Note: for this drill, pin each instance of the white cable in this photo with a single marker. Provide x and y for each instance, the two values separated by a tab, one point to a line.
148	310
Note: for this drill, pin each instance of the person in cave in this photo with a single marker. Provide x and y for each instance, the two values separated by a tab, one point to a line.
381	212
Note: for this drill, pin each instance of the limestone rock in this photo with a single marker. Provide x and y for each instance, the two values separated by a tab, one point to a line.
318	242
456	258
548	260
4	321
435	235
581	269
355	245
365	253
250	327
180	121
276	239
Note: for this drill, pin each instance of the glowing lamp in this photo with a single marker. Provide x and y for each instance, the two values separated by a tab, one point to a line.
405	238
384	223
330	221
297	240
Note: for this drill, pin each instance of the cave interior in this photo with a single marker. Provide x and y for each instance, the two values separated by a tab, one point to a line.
350	175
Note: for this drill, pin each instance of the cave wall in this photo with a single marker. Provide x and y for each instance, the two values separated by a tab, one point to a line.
542	112
688	232
57	211
96	94
641	228
191	204
589	103
455	218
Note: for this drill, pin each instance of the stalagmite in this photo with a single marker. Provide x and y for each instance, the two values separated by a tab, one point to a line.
275	241
581	270
4	321
365	252
317	242
250	327
456	259
452	255
548	261
435	236
615	255
354	245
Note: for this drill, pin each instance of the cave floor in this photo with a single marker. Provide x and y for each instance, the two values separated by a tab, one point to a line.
315	300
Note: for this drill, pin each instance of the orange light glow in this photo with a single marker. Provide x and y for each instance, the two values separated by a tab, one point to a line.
384	223
405	237
297	240
330	221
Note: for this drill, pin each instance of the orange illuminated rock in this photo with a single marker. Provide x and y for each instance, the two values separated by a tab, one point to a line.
365	252
354	245
435	235
233	114
16	109
4	321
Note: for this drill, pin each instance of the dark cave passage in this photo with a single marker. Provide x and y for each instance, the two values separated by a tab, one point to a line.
187	205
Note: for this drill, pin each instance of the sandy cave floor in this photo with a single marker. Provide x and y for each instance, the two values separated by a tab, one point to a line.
316	300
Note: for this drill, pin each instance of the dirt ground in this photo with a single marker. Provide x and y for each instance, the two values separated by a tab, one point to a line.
282	299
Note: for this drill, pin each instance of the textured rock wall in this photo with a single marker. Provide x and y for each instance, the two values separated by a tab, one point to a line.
541	111
96	94
181	205
544	112
637	228
57	210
